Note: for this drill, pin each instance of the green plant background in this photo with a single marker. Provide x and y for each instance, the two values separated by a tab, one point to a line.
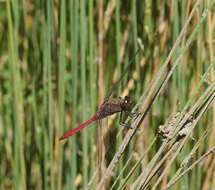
58	59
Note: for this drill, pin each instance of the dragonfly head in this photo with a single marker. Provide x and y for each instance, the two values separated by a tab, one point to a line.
127	103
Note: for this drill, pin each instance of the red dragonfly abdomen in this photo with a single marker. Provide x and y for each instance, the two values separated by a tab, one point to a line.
77	129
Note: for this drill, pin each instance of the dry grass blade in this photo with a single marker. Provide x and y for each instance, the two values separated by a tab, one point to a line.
211	151
183	130
137	164
190	155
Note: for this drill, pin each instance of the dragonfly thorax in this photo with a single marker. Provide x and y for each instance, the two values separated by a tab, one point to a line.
114	105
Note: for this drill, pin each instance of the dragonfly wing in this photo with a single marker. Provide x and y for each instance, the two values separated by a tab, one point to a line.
99	149
115	85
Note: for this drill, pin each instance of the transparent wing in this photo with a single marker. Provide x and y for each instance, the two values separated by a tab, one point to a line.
99	149
115	85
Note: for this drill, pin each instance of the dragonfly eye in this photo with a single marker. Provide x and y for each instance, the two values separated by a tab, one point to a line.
127	103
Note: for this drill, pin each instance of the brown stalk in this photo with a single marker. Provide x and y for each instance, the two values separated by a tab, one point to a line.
108	14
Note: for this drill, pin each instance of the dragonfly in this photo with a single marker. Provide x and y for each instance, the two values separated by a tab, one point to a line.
109	107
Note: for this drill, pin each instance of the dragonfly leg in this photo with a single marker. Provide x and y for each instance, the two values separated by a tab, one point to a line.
123	123
133	114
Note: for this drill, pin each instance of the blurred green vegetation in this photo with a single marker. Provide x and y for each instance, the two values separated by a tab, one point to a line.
58	59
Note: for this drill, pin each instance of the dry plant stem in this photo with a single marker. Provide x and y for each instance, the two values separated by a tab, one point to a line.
92	178
210	101
124	42
166	176
167	166
169	163
209	177
181	124
149	167
212	150
108	14
146	171
137	163
195	148
150	92
208	92
189	156
189	114
148	177
121	172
